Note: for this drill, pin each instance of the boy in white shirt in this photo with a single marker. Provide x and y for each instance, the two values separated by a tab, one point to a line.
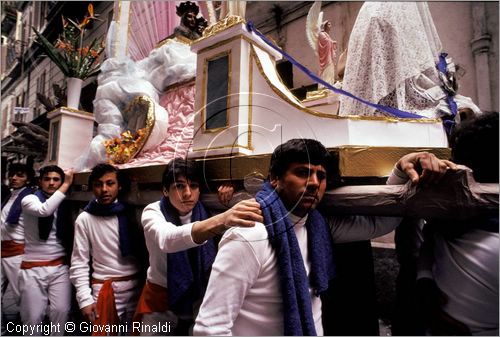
179	234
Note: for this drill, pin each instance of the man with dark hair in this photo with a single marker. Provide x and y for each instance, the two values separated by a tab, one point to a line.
12	222
105	235
44	278
266	280
459	260
179	234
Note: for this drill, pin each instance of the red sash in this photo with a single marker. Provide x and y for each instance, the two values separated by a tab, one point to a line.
12	248
153	299
106	306
33	264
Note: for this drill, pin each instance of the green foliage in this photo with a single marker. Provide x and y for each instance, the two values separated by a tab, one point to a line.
69	54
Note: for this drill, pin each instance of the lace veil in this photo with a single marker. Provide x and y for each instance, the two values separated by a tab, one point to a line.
392	53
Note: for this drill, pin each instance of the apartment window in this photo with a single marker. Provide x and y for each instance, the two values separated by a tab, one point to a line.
40	14
40	89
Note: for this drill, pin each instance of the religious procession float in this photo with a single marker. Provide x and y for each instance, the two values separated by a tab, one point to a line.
212	92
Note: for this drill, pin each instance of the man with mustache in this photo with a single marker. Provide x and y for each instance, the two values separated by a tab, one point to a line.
179	236
44	278
12	222
106	235
267	279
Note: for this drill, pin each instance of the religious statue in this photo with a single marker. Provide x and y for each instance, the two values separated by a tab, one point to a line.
189	23
318	35
393	51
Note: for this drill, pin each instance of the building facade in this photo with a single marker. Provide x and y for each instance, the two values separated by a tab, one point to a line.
468	30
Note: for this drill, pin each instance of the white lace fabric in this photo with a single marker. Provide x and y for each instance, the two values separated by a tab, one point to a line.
393	50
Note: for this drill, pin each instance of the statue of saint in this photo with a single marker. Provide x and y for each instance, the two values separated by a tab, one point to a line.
318	33
189	24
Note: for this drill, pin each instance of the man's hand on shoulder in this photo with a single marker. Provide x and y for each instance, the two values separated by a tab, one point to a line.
243	214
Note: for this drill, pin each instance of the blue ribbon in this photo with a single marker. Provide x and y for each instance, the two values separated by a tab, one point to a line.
390	110
448	121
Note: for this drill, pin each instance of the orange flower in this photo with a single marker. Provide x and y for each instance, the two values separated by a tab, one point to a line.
60	44
90	8
83	51
80	62
85	22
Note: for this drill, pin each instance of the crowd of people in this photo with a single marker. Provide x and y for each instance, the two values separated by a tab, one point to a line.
259	268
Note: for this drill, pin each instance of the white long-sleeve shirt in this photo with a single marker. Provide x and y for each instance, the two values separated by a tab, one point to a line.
244	292
16	232
164	237
36	249
244	295
97	237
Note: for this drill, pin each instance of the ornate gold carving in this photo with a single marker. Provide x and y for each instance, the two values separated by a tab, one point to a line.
317	94
221	25
180	38
122	150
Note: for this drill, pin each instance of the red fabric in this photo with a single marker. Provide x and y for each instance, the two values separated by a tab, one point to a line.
153	299
106	307
34	264
12	248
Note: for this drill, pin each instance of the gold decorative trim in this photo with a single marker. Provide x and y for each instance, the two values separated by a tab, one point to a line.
250	99
325	115
222	147
374	161
80	112
223	42
118	23
179	38
317	94
204	91
220	26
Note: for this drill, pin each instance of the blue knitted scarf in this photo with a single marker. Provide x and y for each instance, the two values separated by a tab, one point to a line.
15	209
188	270
118	209
297	308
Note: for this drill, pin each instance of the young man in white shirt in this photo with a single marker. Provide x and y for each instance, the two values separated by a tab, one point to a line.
106	234
12	222
266	280
179	233
44	277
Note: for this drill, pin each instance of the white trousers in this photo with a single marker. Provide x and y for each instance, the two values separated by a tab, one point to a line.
41	287
11	267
